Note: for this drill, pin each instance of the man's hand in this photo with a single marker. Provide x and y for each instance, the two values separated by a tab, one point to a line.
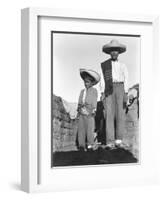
125	99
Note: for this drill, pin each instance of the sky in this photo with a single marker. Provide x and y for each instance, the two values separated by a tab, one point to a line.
74	51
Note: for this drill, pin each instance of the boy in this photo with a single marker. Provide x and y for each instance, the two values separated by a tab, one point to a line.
86	109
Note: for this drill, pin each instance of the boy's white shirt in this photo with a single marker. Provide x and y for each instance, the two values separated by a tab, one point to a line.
119	74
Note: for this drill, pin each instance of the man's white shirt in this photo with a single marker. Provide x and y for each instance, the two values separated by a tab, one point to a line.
119	74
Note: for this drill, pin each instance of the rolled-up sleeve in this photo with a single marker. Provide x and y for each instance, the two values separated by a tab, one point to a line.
125	72
101	83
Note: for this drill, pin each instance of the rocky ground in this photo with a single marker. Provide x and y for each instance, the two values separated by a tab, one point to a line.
99	156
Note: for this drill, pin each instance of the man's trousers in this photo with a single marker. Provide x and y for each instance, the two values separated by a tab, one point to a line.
115	113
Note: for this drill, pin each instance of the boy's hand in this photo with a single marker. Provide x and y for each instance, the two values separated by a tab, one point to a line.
84	111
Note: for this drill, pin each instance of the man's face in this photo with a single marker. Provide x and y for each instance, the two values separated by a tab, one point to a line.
114	55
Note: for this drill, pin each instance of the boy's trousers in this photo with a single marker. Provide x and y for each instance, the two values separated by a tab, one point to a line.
86	130
115	113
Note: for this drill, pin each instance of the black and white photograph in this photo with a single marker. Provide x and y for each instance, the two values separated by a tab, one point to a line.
95	95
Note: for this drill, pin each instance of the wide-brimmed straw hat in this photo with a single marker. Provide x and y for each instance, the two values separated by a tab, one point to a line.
114	45
84	73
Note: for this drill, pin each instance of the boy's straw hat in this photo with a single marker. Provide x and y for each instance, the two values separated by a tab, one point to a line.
90	73
114	45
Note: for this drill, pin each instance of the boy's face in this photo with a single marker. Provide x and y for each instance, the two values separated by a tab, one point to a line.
114	55
87	83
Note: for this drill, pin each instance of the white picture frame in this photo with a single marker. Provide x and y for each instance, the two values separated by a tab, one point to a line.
36	172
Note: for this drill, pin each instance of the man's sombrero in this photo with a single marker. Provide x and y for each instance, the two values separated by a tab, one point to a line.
114	45
84	73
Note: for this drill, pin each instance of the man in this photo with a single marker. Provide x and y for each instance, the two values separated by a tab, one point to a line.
115	76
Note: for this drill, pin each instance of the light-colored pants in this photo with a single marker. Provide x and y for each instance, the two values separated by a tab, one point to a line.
115	114
86	130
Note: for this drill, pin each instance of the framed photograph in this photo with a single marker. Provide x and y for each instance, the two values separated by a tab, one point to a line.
89	83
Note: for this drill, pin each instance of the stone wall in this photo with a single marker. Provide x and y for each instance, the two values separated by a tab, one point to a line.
132	127
64	128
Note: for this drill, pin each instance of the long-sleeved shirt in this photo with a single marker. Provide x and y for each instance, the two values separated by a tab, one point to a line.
88	99
119	74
